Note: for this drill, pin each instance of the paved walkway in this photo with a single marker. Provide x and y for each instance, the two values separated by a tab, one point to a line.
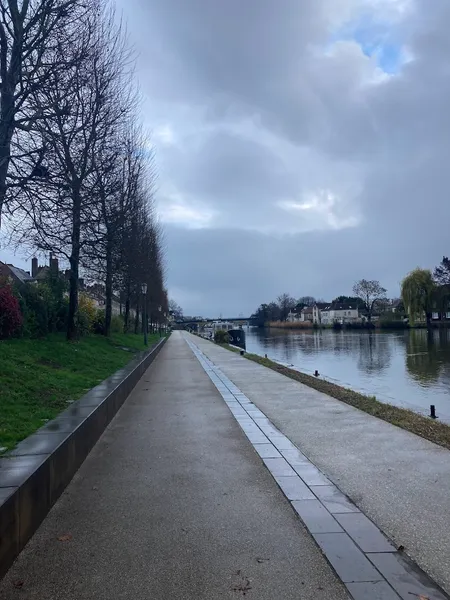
172	503
399	480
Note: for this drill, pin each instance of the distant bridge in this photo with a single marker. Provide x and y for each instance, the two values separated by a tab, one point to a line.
196	321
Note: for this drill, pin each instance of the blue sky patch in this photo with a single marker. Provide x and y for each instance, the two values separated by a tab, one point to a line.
377	39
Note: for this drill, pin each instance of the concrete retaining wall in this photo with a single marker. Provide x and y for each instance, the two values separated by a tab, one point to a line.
33	476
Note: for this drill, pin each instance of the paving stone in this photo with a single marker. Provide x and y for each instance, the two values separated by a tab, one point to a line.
333	499
311	475
256	437
346	558
267	451
362	531
406	579
279	467
281	442
376	590
316	517
295	457
294	488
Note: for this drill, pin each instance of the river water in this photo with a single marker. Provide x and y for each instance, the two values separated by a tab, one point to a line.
406	368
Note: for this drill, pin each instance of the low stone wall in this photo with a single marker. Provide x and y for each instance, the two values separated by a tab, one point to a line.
33	475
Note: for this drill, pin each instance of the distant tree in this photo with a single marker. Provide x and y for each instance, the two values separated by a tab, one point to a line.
352	300
286	303
273	312
441	273
417	293
370	292
306	301
175	309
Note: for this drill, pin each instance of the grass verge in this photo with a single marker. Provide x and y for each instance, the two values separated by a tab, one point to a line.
40	378
434	431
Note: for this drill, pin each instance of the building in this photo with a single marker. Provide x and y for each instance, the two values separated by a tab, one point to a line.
318	307
441	304
15	275
340	313
307	314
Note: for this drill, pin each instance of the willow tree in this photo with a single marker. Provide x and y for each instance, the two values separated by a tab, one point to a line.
417	294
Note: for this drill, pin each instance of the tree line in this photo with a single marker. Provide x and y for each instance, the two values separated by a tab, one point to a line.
77	174
425	292
369	295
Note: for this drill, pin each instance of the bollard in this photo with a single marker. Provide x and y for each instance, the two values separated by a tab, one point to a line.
265	355
433	412
242	353
316	373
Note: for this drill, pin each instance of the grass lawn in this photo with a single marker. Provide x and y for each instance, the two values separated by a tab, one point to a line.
39	378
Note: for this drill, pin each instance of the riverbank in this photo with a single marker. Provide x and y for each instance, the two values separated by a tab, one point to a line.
431	430
40	378
383	325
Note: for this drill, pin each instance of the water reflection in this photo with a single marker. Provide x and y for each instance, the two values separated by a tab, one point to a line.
409	368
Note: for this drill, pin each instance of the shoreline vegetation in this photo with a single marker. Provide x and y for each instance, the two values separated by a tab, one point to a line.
433	431
389	325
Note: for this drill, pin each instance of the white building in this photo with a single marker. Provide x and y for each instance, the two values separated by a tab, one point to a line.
340	313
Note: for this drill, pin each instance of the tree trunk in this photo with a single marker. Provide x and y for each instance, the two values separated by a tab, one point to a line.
108	290
136	319
72	330
6	133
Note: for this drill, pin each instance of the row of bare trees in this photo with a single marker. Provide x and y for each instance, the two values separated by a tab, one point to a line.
76	173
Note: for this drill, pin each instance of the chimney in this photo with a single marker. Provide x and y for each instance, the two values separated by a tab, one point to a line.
54	266
34	267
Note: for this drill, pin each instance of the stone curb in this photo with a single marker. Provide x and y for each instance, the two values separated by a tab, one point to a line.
369	566
36	472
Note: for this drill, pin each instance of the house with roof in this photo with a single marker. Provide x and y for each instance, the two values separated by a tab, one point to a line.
340	313
15	275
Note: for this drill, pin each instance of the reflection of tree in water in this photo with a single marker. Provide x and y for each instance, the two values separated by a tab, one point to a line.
374	353
426	352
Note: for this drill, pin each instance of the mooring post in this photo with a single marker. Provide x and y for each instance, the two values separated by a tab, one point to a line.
433	412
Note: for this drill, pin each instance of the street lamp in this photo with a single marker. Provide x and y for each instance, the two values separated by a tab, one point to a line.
144	312
159	320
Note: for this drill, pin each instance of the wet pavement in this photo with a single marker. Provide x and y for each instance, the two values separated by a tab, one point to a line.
397	479
174	502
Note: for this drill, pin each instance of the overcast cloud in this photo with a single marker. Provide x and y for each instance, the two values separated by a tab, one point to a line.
301	145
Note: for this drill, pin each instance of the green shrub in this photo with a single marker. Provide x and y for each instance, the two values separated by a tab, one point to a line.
117	324
11	318
98	324
221	337
35	311
82	322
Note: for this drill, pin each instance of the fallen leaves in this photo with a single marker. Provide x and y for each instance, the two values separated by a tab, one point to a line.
243	586
65	538
17	583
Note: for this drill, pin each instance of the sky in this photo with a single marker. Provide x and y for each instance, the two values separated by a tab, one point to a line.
301	145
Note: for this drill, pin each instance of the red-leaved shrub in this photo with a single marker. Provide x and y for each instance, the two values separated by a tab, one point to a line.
10	316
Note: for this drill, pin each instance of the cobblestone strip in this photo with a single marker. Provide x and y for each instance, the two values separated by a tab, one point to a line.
367	563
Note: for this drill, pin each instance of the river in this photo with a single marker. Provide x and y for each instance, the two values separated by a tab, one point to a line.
405	368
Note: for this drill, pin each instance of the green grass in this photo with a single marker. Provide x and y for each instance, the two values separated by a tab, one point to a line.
434	431
40	378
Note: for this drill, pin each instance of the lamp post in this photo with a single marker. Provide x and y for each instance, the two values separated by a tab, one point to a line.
159	319
144	312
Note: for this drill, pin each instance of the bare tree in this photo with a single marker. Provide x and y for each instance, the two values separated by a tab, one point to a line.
175	309
286	304
78	109
370	292
28	31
